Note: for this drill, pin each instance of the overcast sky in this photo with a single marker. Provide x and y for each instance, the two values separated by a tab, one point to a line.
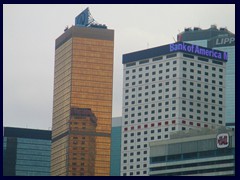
29	33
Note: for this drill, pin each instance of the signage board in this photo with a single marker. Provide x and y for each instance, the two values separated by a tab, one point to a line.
82	18
198	50
222	41
222	140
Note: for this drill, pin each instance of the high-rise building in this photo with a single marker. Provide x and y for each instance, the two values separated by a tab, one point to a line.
196	152
168	88
224	40
116	146
26	152
82	103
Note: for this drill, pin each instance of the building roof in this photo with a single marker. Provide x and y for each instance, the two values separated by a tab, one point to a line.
27	133
173	48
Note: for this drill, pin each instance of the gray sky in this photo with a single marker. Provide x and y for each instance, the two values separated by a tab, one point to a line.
29	33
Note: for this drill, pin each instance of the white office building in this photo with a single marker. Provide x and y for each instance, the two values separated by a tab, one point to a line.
168	88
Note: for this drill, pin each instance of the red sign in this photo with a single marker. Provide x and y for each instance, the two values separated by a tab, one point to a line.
222	140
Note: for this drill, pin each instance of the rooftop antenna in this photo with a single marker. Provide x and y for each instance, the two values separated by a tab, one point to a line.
174	39
66	28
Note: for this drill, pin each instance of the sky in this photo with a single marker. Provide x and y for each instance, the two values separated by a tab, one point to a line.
29	33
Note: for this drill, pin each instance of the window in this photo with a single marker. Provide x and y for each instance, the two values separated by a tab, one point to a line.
217	62
171	56
130	64
157	58
203	59
143	61
188	56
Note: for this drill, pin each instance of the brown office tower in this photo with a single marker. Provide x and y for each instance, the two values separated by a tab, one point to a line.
82	103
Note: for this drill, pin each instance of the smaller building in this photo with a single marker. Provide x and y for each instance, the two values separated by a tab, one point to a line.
26	152
196	152
116	146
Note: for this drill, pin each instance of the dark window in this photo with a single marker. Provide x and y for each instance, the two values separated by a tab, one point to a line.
130	64
157	58
144	61
203	59
188	56
171	56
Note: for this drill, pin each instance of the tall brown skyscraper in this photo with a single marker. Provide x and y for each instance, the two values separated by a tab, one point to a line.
82	103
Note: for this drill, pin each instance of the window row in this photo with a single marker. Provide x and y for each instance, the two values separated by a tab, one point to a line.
147	67
153	86
152	131
153	75
132	174
145	139
152	80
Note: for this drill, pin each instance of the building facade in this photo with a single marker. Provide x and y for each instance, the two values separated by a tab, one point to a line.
198	152
168	88
116	146
82	103
26	152
220	39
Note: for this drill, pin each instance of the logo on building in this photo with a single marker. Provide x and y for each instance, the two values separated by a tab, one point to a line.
198	50
222	140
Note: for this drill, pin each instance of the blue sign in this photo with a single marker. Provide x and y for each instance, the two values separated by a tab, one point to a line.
83	18
198	50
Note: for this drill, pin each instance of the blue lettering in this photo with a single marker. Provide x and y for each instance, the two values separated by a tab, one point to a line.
189	48
225	56
172	47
